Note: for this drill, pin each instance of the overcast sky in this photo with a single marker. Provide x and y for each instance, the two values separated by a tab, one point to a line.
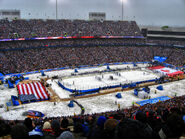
145	12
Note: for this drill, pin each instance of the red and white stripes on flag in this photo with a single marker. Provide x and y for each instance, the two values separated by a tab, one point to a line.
35	88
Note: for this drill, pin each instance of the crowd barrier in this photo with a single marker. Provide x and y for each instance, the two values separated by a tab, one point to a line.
96	90
79	91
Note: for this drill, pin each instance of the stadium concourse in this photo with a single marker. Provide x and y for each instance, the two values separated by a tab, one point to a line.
99	117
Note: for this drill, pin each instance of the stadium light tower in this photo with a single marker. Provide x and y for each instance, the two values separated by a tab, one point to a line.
56	9
122	7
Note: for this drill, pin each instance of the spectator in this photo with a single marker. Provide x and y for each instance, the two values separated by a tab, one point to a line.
29	124
64	125
131	129
174	128
66	135
109	128
36	133
140	116
19	132
165	119
55	125
5	129
97	131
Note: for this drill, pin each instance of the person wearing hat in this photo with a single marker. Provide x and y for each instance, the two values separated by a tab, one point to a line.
29	124
66	135
109	128
98	129
55	125
64	125
55	130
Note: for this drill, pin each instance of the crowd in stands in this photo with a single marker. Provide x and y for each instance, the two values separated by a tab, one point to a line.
45	28
97	51
151	121
37	59
84	42
163	120
67	42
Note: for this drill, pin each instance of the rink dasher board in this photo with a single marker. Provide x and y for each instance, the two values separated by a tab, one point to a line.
89	81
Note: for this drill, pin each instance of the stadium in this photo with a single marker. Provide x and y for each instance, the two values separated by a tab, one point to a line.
96	78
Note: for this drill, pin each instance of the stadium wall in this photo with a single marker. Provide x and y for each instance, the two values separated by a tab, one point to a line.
166	32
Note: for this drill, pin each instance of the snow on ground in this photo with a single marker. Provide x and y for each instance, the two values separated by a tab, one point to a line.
36	76
91	69
92	105
58	90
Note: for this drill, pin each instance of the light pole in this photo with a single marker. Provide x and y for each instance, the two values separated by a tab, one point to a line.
122	9
56	10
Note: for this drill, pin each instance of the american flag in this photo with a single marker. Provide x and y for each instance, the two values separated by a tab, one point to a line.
35	88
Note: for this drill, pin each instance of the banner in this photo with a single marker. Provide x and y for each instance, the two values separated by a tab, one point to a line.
160	59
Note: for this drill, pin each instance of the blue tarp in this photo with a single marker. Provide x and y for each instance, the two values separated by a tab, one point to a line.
153	100
146	90
14	100
157	58
17	81
118	95
10	85
108	67
71	104
135	92
42	73
160	59
75	70
160	87
1	74
26	78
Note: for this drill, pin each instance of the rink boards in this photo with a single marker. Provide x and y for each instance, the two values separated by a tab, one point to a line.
108	79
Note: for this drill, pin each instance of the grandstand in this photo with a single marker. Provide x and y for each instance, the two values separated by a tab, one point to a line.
57	56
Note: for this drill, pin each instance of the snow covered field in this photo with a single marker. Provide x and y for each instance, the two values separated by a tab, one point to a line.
91	105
